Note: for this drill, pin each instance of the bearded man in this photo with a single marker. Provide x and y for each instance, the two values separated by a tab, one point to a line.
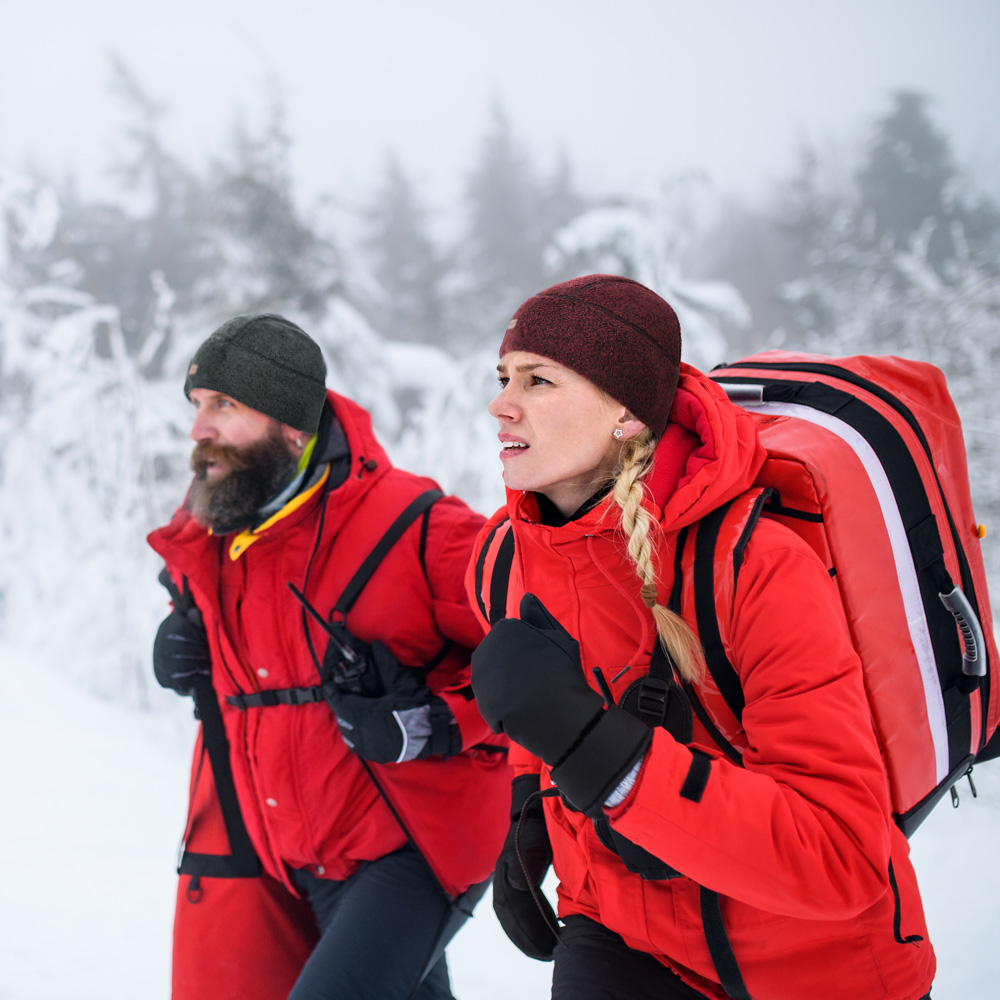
347	800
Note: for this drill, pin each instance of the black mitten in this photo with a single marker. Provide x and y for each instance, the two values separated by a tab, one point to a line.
527	918
404	722
180	651
529	683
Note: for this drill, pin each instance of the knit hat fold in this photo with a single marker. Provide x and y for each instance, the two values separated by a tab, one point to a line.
612	330
267	363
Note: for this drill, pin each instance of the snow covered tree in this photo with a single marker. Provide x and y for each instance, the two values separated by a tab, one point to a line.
265	254
82	437
405	301
889	267
910	187
504	242
157	232
648	238
512	214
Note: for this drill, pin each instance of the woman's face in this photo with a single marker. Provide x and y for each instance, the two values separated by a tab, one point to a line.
556	429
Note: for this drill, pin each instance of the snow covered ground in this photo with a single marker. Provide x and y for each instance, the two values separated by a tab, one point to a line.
93	799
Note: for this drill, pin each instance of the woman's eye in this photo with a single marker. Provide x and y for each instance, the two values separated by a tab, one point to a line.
503	382
538	380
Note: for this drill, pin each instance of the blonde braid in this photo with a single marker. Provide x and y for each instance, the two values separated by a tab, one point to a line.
677	637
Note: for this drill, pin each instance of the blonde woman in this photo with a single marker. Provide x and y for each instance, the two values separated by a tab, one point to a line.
684	869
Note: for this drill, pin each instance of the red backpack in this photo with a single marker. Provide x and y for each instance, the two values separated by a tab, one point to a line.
866	461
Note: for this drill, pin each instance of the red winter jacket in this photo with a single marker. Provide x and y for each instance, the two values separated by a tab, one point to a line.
306	799
799	841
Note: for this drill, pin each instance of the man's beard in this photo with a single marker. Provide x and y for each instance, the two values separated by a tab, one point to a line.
256	472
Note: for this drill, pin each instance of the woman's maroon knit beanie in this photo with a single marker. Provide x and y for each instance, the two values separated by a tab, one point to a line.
615	332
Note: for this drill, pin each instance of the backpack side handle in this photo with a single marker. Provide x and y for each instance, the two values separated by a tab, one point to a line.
973	663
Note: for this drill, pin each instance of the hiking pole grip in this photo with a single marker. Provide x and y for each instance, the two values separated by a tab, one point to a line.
973	664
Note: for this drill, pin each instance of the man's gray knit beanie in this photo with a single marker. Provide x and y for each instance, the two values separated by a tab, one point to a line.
266	362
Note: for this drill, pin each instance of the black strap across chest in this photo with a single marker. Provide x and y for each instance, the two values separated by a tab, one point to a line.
310	693
410	513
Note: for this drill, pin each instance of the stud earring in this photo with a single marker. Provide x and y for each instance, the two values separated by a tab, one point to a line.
618	433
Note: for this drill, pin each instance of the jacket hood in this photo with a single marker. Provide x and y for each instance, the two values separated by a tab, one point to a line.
709	453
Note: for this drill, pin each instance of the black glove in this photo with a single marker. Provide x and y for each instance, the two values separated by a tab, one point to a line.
404	722
529	684
180	651
527	919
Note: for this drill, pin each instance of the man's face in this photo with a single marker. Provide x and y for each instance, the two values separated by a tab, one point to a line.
241	459
220	419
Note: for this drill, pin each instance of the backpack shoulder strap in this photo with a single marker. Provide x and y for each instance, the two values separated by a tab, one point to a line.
410	513
493	564
718	547
725	530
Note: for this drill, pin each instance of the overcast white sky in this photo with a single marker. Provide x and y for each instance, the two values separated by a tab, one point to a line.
633	90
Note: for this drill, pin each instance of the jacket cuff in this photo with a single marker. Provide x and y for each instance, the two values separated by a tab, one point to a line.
624	789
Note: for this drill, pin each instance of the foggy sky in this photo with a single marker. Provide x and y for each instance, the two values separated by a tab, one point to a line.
657	88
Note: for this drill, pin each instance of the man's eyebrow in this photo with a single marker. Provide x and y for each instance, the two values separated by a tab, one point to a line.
213	396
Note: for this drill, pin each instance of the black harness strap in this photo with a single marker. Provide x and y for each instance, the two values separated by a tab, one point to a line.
410	513
722	671
728	682
481	569
725	677
345	602
696	705
282	696
500	578
320	692
242	861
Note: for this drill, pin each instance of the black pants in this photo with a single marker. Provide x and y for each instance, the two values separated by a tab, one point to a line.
593	963
383	932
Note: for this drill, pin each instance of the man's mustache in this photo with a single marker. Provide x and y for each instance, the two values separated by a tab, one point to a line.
226	455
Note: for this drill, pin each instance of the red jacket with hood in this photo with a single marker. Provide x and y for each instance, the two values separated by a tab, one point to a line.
798	842
306	799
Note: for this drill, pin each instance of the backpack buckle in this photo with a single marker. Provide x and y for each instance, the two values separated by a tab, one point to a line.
651	702
658	702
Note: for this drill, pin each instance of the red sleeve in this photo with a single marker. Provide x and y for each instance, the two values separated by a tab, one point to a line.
803	828
452	528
